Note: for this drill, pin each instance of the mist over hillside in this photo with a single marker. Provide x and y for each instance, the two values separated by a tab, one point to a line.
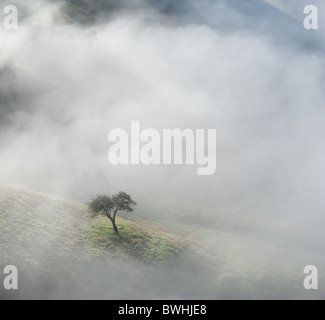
74	70
62	252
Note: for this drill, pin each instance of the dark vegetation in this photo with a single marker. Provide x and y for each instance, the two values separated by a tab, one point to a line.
110	205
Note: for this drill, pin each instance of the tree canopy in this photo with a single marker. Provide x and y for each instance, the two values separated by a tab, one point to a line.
109	205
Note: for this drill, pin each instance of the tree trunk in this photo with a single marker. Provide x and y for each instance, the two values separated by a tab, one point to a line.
115	227
112	220
114	215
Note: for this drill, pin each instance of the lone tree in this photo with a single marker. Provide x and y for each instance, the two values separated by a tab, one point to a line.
110	205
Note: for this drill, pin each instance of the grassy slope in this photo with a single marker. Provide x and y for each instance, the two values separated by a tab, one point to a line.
142	240
247	257
55	236
34	226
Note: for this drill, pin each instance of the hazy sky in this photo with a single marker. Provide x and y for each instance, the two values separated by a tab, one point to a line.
242	67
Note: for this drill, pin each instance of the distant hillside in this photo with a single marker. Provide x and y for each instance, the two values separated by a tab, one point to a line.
55	236
33	223
62	252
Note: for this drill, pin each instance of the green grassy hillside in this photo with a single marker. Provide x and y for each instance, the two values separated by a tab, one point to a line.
32	223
